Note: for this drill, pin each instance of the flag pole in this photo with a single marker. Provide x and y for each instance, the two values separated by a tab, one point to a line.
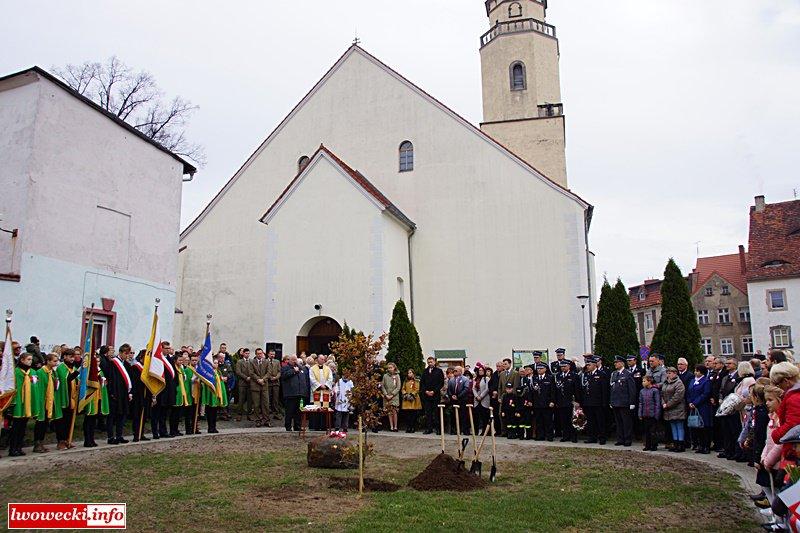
144	389
7	337
77	400
200	390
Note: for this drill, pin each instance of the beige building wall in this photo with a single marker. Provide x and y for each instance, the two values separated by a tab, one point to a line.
513	116
717	330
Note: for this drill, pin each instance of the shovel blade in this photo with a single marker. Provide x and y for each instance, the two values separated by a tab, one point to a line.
476	468
493	474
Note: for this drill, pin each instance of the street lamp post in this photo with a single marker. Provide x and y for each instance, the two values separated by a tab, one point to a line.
583	299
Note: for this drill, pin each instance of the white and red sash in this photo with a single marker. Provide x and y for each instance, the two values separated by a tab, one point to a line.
123	372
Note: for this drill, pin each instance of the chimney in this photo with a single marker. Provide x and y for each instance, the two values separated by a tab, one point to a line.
761	204
742	259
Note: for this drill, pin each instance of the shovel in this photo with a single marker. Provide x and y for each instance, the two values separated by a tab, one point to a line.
493	473
472	432
460	443
477	467
441	420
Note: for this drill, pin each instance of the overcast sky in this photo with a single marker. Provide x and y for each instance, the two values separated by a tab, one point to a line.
678	112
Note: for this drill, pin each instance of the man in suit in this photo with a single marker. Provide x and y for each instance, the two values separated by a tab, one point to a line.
295	387
457	391
731	424
166	399
242	371
274	375
716	376
258	371
507	375
431	383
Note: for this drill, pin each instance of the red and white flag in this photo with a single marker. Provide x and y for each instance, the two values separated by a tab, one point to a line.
7	383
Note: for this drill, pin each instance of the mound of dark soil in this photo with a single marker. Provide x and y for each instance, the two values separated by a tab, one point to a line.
444	474
370	485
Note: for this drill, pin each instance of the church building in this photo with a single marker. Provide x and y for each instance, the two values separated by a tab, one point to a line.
371	191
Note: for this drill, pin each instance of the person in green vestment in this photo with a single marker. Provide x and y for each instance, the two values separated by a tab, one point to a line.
48	405
97	405
22	407
184	404
66	395
212	401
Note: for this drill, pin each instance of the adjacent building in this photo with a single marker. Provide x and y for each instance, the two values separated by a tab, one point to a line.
371	191
90	214
773	273
646	309
719	298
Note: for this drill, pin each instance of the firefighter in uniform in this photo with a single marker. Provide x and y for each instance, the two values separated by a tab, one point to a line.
544	400
508	411
566	393
594	400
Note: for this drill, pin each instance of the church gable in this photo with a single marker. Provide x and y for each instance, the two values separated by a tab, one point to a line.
359	182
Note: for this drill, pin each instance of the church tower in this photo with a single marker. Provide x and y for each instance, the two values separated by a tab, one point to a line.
522	106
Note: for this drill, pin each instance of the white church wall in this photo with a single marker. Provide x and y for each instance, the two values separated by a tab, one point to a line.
495	265
339	259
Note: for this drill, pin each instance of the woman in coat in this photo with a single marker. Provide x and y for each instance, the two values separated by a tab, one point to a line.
482	398
672	395
412	403
390	388
699	398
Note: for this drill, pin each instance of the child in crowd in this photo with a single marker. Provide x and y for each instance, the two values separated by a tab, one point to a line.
649	412
343	391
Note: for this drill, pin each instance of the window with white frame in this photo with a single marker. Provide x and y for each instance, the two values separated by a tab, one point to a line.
642	296
724	315
709	291
726	346
406	156
726	290
781	336
747	345
776	300
744	314
708	346
702	317
648	322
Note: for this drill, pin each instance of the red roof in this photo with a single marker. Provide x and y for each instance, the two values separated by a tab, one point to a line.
729	267
359	178
774	241
652	289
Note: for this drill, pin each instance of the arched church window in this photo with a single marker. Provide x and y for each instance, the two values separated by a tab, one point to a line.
302	163
515	10
406	156
518	81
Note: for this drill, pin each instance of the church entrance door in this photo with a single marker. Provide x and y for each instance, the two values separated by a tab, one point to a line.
316	335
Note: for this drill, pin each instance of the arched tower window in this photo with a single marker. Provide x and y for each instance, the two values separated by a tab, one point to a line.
406	156
515	10
302	163
518	76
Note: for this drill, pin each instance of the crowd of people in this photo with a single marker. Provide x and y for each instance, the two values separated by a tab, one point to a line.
738	409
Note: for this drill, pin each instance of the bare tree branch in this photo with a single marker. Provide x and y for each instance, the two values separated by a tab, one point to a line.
135	98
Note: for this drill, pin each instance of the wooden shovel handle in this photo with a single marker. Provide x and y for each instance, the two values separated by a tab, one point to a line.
441	422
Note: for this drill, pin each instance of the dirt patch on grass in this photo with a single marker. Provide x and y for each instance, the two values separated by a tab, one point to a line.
370	485
445	473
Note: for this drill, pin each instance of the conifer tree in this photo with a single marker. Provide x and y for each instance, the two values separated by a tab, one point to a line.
404	346
627	340
603	342
677	334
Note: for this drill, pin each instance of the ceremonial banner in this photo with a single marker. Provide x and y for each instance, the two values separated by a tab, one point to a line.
89	377
205	368
153	367
7	384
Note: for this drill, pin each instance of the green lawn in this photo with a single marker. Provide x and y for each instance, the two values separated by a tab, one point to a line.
261	483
